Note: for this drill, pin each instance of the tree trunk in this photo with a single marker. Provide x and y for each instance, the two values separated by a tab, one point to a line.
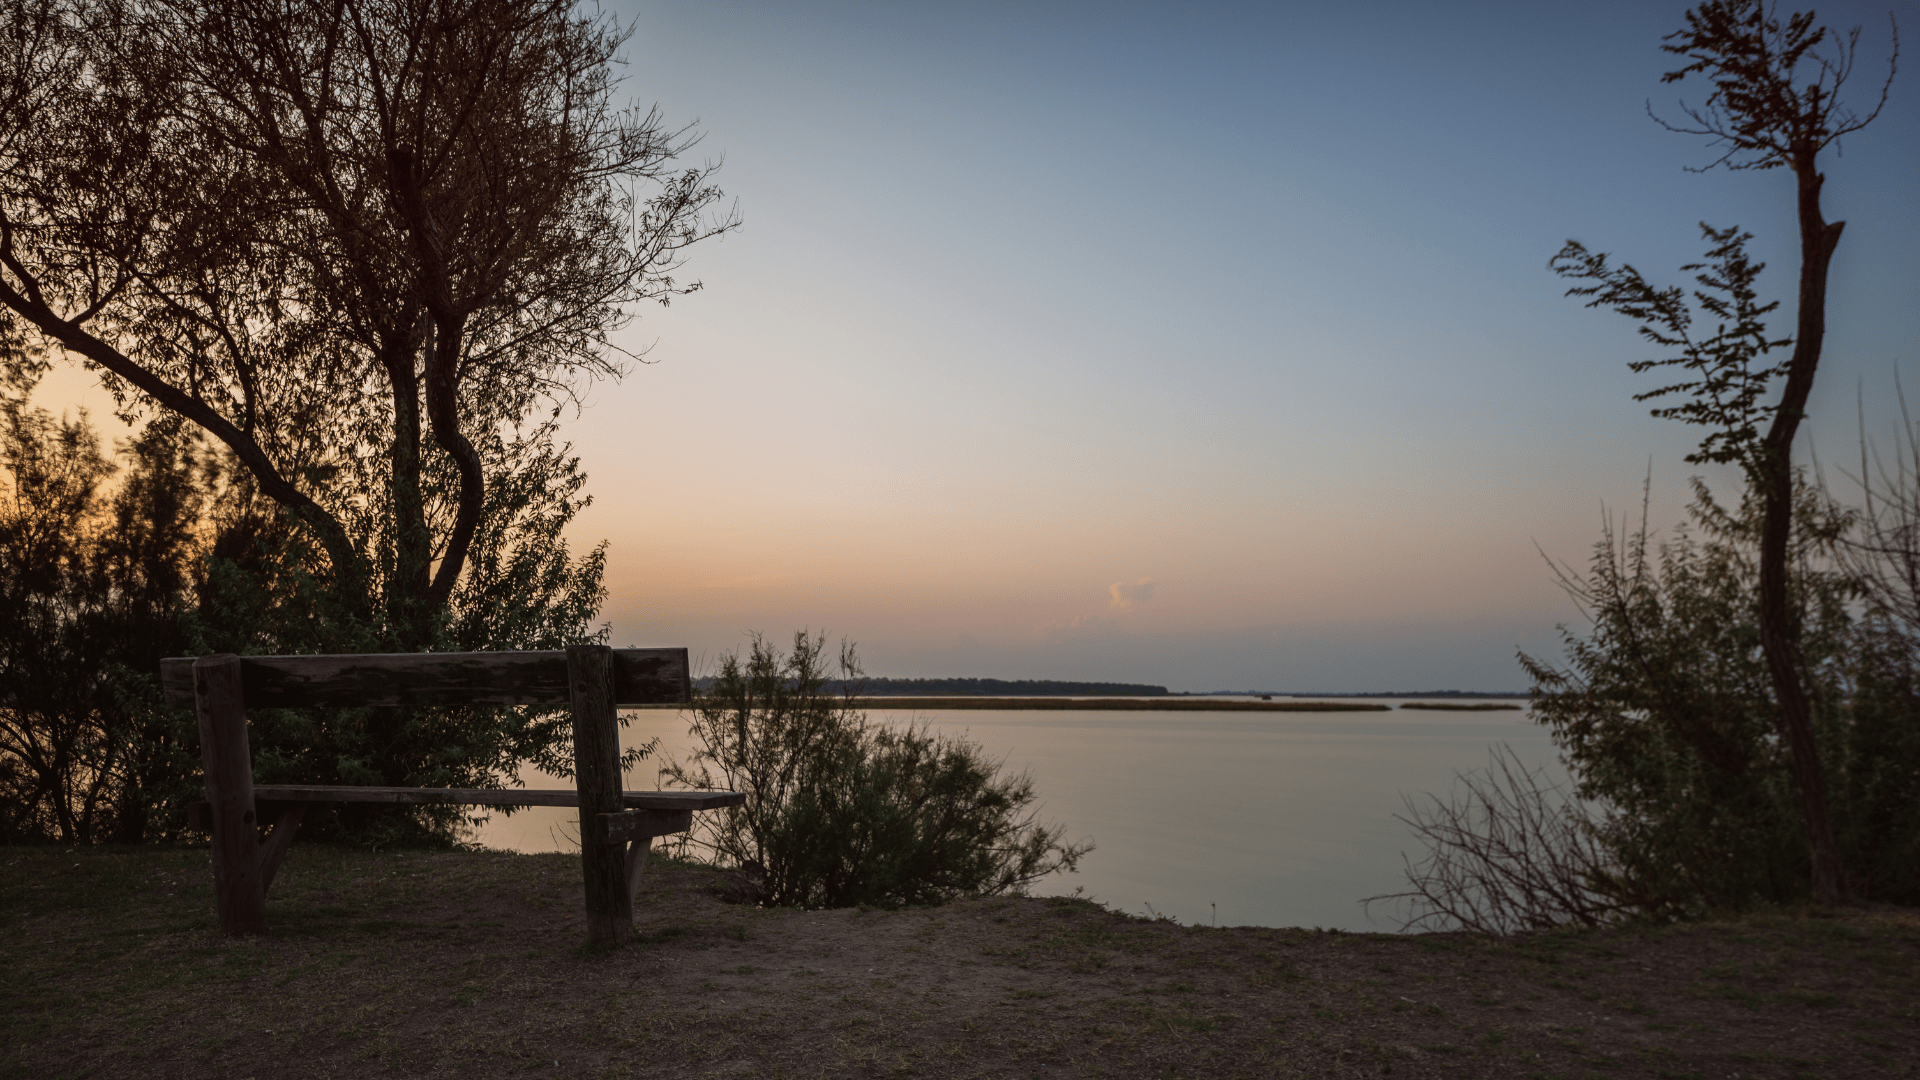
443	414
410	614
445	325
1774	473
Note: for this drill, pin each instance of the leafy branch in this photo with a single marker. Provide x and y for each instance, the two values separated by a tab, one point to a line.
1730	374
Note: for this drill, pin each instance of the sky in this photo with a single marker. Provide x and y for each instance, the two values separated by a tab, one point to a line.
1205	345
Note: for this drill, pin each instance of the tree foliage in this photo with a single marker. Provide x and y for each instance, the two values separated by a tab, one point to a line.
94	583
349	240
1752	61
1665	713
1730	381
841	811
182	557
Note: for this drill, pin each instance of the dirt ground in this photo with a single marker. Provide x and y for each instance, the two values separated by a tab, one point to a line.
471	965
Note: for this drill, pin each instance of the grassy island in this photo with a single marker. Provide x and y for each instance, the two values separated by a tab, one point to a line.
1103	704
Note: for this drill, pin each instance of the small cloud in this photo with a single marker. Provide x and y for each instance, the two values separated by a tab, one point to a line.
1125	595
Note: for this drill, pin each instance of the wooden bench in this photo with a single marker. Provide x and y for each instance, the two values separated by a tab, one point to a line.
616	826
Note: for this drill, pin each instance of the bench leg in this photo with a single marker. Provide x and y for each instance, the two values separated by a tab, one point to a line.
275	846
637	852
596	771
217	699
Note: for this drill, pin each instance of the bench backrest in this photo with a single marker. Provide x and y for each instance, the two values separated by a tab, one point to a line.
640	677
591	680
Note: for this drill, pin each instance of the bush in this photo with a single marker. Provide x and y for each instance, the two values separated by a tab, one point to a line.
92	589
1881	554
1665	713
841	811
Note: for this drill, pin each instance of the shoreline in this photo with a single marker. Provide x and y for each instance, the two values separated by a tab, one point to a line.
1097	704
1155	704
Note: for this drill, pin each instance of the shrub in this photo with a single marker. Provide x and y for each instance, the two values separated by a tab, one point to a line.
91	593
1664	714
1665	709
102	575
841	811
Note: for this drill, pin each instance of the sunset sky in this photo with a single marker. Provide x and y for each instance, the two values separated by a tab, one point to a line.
1209	345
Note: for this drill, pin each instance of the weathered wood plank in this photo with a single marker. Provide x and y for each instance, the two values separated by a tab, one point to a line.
641	677
682	800
266	807
596	770
648	800
274	848
637	853
238	894
651	677
641	825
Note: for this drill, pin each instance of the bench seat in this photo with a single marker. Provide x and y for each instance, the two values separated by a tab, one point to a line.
648	813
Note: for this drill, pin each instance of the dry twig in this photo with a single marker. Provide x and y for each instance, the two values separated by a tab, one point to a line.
1507	852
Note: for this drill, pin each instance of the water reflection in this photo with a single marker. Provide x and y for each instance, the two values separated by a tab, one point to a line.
1279	819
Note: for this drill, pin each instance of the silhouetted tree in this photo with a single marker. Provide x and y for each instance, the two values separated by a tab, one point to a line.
340	237
1774	104
371	247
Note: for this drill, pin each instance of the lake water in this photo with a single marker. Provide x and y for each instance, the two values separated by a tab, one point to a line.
1267	819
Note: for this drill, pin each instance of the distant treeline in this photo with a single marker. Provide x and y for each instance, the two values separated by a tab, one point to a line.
1168	703
998	688
1417	694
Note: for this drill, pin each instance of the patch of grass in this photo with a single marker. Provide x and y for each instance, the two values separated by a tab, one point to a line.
1273	976
1732	993
395	966
1181	1020
1808	999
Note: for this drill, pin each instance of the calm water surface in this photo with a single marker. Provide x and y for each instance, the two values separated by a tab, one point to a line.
1270	819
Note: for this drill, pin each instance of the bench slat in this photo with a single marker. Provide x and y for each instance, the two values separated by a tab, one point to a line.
641	677
638	800
633	825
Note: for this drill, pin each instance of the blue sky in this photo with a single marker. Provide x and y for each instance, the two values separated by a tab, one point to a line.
1211	345
1249	303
